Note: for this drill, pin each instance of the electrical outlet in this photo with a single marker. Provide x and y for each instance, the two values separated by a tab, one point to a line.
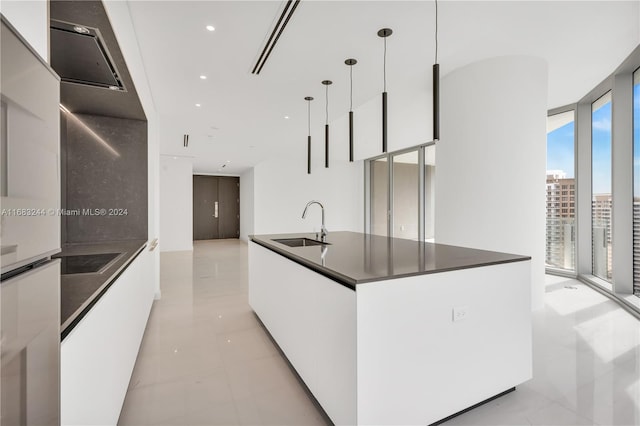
460	313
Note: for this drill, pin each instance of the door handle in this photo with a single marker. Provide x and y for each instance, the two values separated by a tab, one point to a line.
215	209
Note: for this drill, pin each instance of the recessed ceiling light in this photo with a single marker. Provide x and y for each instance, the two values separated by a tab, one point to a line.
211	28
286	117
197	105
228	161
203	77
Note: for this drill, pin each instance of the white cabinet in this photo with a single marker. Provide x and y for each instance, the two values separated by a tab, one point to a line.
313	319
392	352
98	356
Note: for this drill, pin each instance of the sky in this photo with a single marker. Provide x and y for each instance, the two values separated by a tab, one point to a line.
601	149
560	149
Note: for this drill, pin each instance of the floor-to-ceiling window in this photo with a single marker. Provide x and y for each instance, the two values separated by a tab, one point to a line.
561	192
601	187
593	209
636	182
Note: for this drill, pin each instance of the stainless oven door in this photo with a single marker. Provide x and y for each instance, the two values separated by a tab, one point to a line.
30	347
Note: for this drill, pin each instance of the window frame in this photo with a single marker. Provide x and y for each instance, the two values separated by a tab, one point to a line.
572	273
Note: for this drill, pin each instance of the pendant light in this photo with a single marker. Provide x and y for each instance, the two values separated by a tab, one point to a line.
309	99
326	83
384	33
351	62
436	87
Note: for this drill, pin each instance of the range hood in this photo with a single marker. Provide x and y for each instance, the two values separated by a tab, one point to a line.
79	55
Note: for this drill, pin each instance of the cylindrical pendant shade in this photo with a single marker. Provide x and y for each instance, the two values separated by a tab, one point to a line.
326	83
309	99
308	155
351	136
436	102
326	145
384	121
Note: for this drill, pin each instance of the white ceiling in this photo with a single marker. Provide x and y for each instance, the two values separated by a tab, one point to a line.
241	119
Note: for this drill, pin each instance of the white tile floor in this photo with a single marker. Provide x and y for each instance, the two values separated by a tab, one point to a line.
205	360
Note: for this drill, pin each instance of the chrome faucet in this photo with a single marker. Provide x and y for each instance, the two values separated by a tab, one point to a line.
323	230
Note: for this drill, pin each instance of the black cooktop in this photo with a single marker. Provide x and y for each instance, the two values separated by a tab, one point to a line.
85	263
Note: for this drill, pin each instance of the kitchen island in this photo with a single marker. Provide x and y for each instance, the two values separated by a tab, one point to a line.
391	331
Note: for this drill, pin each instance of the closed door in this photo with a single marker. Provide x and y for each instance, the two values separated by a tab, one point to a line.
216	207
229	207
206	209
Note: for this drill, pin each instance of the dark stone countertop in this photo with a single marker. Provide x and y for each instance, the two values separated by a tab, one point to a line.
79	292
353	258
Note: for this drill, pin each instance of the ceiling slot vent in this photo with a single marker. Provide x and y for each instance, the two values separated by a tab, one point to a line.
286	14
79	55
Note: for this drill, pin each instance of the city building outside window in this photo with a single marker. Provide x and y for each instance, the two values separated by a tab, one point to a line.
561	225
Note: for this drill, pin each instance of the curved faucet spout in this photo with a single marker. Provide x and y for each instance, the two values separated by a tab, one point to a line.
323	230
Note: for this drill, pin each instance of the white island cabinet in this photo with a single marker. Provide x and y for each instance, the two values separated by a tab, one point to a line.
98	355
379	338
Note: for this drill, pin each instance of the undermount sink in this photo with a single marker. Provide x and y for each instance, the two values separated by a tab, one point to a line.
300	242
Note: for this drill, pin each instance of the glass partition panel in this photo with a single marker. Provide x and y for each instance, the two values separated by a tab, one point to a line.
406	176
379	195
429	192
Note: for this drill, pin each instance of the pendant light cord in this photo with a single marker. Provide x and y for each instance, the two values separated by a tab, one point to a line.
436	61
384	66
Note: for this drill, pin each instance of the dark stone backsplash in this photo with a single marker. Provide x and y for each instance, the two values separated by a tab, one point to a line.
104	178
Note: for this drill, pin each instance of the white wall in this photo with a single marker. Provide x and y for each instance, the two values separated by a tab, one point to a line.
176	203
491	160
31	19
282	188
120	18
246	204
